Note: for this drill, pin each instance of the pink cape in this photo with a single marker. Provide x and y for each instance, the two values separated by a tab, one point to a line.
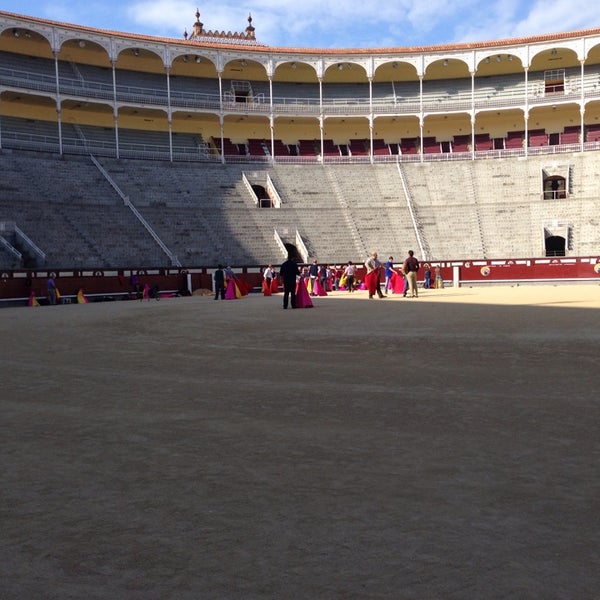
302	296
236	288
32	300
319	290
232	292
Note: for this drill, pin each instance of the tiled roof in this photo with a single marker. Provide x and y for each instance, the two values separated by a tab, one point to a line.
234	43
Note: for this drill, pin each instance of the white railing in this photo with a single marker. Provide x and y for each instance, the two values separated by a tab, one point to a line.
416	227
250	189
273	193
30	245
301	246
11	248
174	260
432	102
280	243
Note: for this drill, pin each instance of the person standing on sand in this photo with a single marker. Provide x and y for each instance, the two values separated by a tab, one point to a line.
373	267
289	273
219	278
411	268
51	290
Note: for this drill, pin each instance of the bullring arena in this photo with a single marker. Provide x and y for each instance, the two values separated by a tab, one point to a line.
437	447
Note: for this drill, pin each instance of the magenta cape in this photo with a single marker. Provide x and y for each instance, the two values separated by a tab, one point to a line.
302	296
236	288
318	289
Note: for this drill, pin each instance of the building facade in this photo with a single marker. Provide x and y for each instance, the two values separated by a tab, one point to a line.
224	96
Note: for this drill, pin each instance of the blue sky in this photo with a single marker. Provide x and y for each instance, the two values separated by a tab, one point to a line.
328	23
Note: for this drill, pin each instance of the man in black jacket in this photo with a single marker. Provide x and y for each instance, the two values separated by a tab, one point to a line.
289	271
411	267
219	278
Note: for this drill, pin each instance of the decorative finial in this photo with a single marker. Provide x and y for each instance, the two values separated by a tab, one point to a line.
198	26
199	33
250	30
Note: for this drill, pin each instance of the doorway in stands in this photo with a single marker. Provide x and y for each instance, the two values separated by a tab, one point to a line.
556	238
555	245
264	201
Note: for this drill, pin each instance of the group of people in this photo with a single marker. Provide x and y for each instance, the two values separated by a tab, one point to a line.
227	286
403	280
316	280
400	281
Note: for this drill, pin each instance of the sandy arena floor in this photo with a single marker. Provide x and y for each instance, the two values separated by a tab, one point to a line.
446	447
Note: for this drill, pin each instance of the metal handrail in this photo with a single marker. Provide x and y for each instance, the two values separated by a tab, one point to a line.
173	258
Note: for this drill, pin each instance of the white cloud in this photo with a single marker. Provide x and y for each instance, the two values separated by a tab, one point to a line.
561	15
511	18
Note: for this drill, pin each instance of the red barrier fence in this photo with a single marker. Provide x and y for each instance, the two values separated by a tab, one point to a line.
16	286
532	270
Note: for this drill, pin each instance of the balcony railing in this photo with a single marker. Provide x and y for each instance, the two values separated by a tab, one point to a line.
149	151
460	101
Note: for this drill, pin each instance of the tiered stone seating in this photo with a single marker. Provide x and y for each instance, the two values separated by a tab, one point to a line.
204	214
72	214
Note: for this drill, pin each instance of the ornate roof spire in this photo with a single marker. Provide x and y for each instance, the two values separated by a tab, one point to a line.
250	30
199	34
198	26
